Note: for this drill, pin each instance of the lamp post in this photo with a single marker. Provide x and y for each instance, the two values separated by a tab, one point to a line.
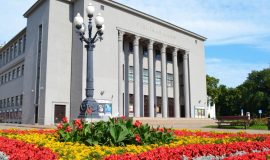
89	105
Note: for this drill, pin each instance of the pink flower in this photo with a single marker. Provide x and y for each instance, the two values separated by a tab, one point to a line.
68	129
137	123
138	138
65	120
59	126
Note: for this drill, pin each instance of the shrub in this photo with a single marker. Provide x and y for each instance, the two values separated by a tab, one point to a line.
258	122
114	132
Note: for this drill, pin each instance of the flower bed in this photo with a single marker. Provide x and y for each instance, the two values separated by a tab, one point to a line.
184	144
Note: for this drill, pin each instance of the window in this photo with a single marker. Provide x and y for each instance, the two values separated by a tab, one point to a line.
16	101
18	72
22	69
2	79
7	58
20	46
102	7
130	47
0	103
12	101
145	76
169	58
130	73
9	76
6	77
158	56
4	103
21	100
170	80
8	102
24	42
4	58
145	52
11	52
1	60
158	78
13	74
15	50
38	63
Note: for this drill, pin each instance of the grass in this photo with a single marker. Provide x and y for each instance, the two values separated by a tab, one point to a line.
255	127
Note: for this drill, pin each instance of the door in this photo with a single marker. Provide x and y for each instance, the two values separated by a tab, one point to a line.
59	113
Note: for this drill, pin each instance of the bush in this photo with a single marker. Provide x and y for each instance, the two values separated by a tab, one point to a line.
115	132
259	122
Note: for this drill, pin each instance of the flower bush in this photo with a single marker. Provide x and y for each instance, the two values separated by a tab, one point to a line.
115	132
185	144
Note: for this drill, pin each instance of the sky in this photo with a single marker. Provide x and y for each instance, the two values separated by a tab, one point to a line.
237	31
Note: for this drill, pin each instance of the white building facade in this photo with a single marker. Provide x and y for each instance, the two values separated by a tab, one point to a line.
144	67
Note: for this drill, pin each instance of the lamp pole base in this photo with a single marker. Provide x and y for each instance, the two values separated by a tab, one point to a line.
88	109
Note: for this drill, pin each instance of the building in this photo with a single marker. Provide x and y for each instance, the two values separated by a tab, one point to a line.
144	67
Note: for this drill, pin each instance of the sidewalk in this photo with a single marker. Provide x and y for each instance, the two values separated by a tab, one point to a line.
178	123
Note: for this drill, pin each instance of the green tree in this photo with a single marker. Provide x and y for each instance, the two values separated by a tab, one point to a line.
212	88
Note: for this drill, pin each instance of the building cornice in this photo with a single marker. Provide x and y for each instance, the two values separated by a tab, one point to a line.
16	37
152	18
38	3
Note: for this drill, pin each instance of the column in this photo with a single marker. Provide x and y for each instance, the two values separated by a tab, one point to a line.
164	81
120	73
151	71
186	84
176	84
136	64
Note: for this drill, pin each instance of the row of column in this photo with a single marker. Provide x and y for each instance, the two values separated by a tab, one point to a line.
151	85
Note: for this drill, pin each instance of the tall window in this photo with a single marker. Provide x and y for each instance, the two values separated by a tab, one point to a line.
16	101
13	73
130	73
12	101
4	103
6	77
24	42
7	58
18	72
170	80
8	102
158	55
38	62
20	47
9	76
0	103
1	59
21	100
158	78
4	58
22	69
145	76
15	49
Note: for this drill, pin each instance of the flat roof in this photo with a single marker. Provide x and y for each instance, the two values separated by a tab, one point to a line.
131	10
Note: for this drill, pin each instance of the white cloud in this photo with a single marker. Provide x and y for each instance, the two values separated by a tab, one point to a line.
222	22
229	72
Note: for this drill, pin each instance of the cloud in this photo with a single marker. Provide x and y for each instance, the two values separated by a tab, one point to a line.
222	22
229	72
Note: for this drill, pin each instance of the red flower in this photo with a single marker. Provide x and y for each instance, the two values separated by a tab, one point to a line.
68	129
123	118
60	126
78	124
138	138
137	123
65	120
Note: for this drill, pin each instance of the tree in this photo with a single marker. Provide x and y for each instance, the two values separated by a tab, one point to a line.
212	88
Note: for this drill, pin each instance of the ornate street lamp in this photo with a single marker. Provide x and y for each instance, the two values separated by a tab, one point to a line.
89	105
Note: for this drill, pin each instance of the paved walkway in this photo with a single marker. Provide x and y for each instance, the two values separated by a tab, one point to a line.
179	123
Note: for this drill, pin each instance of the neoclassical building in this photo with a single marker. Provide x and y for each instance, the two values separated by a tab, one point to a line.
144	67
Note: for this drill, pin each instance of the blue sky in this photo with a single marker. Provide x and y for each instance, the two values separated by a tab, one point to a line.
238	31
